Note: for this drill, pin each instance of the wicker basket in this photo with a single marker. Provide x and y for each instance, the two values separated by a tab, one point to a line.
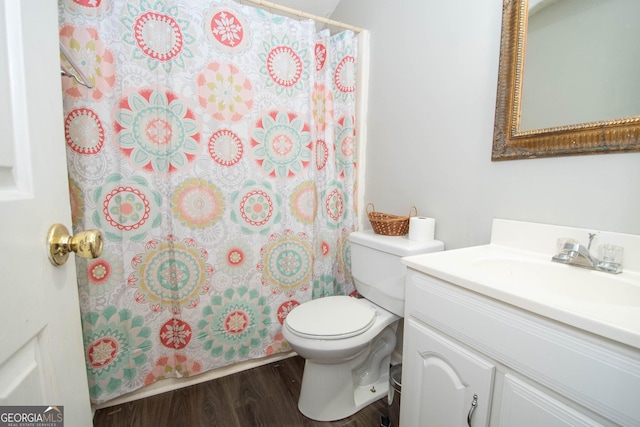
387	224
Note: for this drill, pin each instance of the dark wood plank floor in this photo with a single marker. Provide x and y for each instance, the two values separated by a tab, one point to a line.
263	396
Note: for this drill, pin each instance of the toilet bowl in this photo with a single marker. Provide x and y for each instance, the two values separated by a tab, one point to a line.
341	374
347	342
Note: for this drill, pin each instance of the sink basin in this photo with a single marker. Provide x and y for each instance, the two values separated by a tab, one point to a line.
516	268
534	275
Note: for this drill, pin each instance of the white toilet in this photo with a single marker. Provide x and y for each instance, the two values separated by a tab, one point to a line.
347	342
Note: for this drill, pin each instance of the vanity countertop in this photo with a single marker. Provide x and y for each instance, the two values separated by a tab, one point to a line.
516	268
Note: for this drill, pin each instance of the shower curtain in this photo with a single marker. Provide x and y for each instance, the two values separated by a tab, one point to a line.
216	153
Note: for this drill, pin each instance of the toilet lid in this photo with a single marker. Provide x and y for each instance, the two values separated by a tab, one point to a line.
331	317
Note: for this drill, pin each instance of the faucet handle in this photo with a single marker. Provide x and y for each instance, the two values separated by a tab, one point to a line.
563	242
565	248
610	258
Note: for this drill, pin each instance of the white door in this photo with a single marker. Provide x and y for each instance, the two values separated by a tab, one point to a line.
41	352
525	405
443	384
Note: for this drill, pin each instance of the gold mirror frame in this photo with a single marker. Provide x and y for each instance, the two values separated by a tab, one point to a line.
606	136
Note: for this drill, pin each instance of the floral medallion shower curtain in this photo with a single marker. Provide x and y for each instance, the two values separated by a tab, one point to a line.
216	152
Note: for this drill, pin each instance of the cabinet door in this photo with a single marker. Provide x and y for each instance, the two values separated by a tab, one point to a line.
440	379
523	405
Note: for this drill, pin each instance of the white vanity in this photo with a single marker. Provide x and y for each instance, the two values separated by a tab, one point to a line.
498	335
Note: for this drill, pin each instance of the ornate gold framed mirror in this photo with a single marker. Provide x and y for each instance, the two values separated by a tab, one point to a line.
517	137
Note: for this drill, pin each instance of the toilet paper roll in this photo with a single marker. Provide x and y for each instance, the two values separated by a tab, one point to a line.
421	228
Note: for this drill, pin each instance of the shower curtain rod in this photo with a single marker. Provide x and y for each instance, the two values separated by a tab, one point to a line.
302	14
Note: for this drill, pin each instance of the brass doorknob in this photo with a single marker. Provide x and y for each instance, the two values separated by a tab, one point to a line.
87	244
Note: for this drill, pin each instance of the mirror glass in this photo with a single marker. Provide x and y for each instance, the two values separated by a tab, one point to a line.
579	63
568	78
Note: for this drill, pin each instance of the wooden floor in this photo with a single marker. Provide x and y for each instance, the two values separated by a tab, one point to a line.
263	396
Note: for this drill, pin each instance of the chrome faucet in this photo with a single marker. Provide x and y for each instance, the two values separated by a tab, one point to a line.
573	253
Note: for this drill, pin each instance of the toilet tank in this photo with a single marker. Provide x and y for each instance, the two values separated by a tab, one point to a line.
376	268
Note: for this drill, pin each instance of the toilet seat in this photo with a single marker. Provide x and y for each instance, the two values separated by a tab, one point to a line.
330	318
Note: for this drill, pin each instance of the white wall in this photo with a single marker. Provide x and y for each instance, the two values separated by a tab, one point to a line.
434	67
